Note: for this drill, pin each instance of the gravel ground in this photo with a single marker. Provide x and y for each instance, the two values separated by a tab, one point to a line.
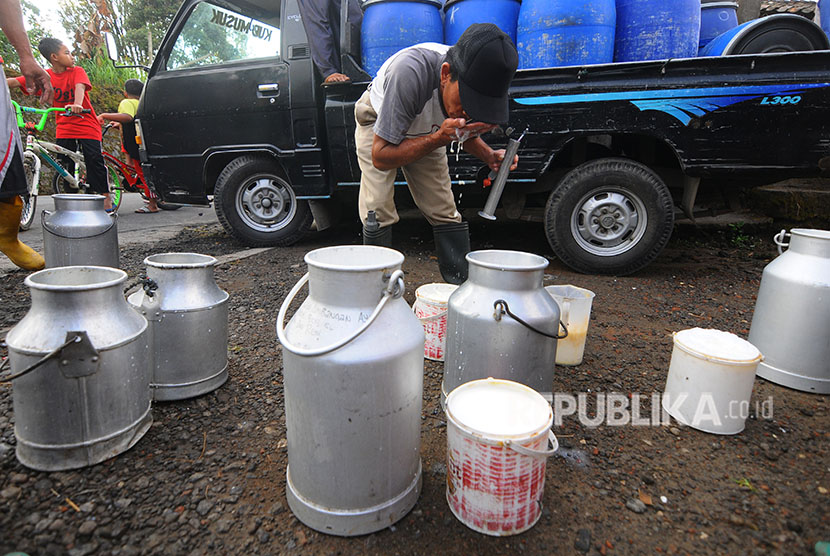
209	476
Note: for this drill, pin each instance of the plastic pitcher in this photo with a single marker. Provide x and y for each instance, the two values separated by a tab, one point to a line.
575	311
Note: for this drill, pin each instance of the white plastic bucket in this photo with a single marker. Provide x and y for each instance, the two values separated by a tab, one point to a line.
575	312
710	380
431	308
497	435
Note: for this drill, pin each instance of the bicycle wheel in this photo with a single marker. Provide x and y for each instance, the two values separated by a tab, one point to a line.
60	185
115	181
27	215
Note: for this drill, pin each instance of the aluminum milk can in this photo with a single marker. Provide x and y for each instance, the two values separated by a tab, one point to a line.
90	399
501	323
188	316
79	232
791	323
353	361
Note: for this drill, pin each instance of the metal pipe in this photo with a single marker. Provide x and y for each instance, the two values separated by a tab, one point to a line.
497	188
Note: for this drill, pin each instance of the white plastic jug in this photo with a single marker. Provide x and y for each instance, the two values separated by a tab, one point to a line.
575	311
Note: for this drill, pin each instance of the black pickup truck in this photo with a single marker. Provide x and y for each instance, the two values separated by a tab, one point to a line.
233	108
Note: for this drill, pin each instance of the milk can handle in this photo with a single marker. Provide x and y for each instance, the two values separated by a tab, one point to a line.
541	454
501	308
71	338
779	240
393	290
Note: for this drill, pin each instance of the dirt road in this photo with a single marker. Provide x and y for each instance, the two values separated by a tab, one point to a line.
209	476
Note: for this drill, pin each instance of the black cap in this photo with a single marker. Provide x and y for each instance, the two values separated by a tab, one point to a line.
485	60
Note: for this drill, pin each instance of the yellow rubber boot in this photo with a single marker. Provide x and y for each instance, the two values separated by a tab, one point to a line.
20	254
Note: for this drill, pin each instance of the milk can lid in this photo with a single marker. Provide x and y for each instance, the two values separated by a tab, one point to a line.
497	408
716	344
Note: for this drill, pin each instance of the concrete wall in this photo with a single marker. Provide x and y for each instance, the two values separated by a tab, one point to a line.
748	9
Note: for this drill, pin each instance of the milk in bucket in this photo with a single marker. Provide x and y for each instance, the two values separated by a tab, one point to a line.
431	308
710	380
497	435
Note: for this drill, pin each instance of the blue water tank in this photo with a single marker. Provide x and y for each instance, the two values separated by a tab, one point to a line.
460	14
773	33
553	33
716	18
656	29
824	12
392	25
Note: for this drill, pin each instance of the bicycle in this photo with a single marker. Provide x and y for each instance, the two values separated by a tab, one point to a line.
132	178
37	150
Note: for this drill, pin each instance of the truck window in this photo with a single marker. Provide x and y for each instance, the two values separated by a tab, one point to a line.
213	35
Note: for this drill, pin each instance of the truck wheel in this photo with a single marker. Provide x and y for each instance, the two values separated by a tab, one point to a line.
609	216
257	206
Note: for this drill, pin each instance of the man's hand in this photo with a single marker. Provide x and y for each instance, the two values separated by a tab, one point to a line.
37	78
496	159
454	129
75	108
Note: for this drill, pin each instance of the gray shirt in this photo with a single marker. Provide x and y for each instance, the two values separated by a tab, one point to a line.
406	93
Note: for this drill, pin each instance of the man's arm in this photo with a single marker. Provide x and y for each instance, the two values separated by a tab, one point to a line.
11	21
388	156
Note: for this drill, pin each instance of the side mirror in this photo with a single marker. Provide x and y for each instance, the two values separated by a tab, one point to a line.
112	47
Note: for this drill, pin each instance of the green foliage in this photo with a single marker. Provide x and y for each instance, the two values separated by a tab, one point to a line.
738	235
102	73
31	17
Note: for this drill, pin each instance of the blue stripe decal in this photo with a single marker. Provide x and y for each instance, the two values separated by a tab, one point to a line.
682	104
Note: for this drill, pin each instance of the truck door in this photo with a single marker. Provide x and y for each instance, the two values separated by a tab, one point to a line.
218	81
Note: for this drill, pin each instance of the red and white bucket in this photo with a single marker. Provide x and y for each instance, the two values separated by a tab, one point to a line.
431	308
497	437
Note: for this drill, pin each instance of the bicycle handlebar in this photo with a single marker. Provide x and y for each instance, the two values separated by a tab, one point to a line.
44	114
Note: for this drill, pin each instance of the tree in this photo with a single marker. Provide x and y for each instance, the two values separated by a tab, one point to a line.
136	25
31	16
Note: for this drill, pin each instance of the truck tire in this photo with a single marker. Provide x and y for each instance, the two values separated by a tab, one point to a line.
609	216
257	206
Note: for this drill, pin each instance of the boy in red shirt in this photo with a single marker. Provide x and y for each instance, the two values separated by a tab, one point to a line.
71	84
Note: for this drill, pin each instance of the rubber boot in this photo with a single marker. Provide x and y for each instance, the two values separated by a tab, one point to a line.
381	237
373	234
452	243
20	254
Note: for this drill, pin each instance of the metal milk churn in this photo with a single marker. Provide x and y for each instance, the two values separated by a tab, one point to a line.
353	361
791	323
80	370
79	232
188	316
501	323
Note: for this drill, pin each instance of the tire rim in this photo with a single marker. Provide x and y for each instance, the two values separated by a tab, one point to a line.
609	221
266	203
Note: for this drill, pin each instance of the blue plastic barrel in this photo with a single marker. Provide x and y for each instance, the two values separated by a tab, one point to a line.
460	14
553	33
392	25
716	18
656	29
824	12
773	33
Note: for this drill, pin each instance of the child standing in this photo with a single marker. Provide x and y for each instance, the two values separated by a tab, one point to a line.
125	116
71	84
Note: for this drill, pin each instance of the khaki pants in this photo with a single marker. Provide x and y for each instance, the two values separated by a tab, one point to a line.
428	178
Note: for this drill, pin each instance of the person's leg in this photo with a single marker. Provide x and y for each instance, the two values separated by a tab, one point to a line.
320	31
429	182
152	203
96	171
377	187
11	205
65	161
